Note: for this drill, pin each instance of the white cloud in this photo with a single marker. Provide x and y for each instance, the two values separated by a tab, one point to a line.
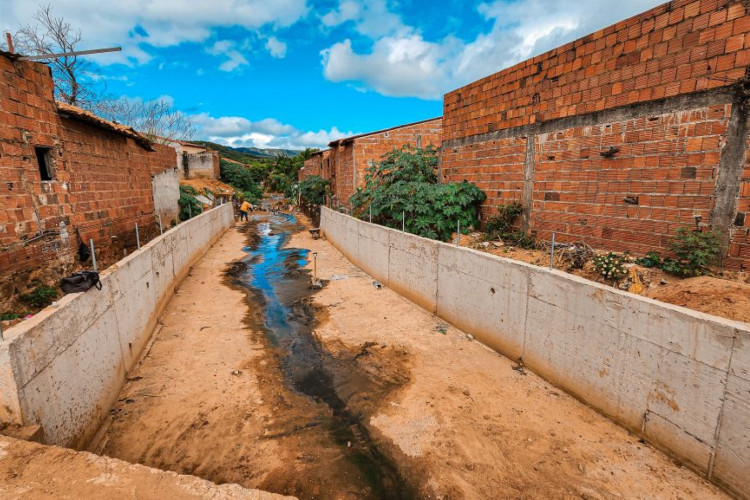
370	18
402	62
276	47
267	133
226	48
135	24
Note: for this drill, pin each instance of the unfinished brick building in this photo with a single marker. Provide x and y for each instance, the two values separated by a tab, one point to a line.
350	157
621	137
195	161
66	172
318	164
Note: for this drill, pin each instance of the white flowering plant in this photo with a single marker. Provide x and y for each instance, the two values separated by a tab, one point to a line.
611	265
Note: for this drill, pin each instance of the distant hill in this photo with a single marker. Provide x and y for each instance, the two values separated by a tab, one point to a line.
246	155
233	154
269	152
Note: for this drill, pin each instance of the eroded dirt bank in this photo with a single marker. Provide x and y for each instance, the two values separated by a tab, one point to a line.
233	391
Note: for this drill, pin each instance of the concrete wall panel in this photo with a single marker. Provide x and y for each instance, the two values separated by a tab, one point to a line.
63	368
732	462
372	256
349	237
412	268
478	296
134	301
83	381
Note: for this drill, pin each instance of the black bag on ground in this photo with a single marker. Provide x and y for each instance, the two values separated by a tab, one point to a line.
80	282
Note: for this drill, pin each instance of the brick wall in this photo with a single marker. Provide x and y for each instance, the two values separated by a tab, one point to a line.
342	173
351	157
317	164
663	92
100	186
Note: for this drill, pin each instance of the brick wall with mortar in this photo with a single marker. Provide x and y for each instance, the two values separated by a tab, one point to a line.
665	88
100	186
350	157
317	164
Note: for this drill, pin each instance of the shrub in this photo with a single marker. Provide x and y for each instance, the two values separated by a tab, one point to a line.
500	226
11	315
651	260
610	266
189	206
312	192
405	182
694	251
40	297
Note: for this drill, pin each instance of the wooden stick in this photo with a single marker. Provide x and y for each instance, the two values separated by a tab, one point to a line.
66	54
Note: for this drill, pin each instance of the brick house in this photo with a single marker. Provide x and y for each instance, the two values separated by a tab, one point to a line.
348	159
319	163
621	137
65	172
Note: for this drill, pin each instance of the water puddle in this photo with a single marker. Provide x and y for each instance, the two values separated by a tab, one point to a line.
272	272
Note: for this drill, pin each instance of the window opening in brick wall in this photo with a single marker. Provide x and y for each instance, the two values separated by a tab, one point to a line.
44	160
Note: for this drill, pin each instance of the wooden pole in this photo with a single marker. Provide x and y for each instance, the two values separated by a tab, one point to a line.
66	54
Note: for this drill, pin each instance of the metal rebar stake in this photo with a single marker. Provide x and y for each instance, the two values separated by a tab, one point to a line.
93	253
137	237
552	251
315	265
161	229
403	221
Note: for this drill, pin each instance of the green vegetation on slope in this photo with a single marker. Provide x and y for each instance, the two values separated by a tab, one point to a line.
246	179
232	154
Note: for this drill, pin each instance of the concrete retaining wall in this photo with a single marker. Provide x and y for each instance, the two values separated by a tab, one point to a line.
64	368
166	190
677	377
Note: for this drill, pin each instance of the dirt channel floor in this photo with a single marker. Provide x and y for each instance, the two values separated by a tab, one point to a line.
457	419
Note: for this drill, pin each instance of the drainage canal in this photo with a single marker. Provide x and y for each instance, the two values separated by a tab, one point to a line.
272	273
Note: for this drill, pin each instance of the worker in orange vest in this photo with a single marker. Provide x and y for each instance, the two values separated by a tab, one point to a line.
244	209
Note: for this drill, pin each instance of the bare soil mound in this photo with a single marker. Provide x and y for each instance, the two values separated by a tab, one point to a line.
729	299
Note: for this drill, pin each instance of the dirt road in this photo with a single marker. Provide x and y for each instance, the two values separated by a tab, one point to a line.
394	394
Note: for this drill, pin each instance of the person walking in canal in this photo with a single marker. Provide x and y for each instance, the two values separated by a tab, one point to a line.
243	210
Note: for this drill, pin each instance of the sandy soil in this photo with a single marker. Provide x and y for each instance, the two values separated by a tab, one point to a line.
212	185
208	399
469	425
33	471
729	299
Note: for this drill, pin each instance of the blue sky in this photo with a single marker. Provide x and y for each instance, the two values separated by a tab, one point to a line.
298	73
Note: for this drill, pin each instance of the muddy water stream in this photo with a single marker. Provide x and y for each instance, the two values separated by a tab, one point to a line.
273	275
